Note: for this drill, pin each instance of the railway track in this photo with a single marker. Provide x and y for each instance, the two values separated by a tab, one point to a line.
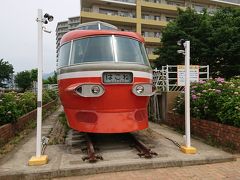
88	143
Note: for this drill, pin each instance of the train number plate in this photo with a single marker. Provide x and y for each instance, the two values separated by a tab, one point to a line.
117	77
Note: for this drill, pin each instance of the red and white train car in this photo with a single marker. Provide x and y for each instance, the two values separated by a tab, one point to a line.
104	79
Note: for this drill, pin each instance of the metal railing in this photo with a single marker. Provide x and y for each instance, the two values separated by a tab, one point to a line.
152	34
111	13
165	79
171	3
127	1
51	86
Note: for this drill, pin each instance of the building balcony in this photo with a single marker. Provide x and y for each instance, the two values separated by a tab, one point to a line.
62	30
152	40
155	23
117	17
152	57
62	25
168	6
127	2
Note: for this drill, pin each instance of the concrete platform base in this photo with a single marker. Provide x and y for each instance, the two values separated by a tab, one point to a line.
38	161
65	160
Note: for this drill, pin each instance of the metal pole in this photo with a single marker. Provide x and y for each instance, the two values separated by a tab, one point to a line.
167	79
187	93
207	72
39	87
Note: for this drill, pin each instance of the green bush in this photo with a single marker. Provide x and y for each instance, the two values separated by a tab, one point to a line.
13	105
217	100
9	108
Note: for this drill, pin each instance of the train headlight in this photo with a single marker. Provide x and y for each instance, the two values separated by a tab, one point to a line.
143	89
139	89
95	90
90	90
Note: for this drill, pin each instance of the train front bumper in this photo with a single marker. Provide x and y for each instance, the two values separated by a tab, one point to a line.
120	121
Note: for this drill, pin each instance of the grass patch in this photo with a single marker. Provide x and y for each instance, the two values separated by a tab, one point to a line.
19	136
9	146
59	132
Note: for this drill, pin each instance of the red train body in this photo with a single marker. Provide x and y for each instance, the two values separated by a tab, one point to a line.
104	81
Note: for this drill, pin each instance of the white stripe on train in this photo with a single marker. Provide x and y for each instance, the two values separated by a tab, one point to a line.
84	74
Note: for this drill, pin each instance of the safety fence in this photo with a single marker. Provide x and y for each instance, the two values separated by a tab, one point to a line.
165	81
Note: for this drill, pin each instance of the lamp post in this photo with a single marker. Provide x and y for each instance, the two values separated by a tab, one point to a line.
187	148
40	159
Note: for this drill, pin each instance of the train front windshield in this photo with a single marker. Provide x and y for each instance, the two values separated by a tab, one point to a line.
103	49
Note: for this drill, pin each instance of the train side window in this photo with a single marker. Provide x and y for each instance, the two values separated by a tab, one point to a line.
144	54
64	54
92	49
104	27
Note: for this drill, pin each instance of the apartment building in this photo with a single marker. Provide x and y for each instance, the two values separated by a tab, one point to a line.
147	17
63	27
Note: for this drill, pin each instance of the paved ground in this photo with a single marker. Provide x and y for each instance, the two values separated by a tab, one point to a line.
229	170
118	156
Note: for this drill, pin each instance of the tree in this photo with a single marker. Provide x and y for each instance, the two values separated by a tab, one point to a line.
34	74
24	80
215	40
51	79
6	70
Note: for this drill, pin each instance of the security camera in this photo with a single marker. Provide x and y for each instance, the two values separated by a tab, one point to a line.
181	42
48	17
180	51
45	21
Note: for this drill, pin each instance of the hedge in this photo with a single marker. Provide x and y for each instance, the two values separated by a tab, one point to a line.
13	105
216	100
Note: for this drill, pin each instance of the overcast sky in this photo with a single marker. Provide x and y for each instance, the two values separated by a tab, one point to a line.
18	31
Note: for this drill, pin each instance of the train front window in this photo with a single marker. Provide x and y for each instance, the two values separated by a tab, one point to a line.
130	50
64	54
92	49
108	48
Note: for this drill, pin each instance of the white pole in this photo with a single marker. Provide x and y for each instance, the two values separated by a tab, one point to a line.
39	89
80	10
187	93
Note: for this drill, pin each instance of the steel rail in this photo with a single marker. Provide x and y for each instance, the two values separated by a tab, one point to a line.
91	157
143	150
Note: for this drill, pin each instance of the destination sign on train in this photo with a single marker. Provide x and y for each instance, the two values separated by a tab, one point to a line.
117	77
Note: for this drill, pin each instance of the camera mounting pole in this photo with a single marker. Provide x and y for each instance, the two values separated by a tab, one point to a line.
187	148
40	159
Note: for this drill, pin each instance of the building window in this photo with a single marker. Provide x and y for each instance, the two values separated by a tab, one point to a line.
169	19
198	8
116	13
175	3
154	1
151	34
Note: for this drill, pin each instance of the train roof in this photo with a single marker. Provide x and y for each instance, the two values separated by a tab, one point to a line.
96	25
76	34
